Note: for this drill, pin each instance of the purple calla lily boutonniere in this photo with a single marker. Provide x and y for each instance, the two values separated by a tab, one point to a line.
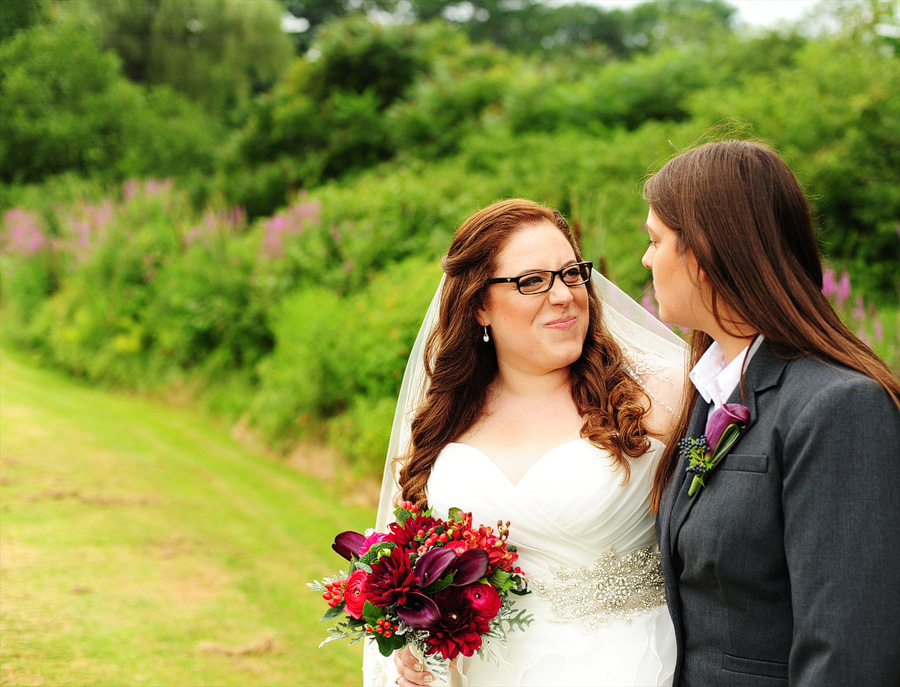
723	429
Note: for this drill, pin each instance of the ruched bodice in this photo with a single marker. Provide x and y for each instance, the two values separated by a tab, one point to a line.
569	509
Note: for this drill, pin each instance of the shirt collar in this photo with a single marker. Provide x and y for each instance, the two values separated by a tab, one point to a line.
714	378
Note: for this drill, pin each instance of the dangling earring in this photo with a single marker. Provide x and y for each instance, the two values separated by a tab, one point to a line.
486	337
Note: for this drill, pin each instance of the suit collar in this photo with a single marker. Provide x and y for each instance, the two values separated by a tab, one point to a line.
763	373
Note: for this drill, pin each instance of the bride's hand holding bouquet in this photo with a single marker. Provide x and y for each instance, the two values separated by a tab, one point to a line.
440	587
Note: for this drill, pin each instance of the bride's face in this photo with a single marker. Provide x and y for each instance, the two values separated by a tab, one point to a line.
537	333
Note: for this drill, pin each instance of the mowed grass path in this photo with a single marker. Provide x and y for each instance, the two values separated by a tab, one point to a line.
141	545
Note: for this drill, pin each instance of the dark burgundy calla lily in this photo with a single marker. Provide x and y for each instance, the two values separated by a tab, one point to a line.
728	414
348	544
419	612
470	567
432	564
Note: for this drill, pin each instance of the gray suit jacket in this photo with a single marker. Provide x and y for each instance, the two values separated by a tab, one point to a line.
785	568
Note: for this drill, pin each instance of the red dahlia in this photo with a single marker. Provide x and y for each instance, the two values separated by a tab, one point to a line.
403	534
460	627
390	580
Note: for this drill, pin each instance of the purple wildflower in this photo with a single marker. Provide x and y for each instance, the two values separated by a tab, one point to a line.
292	222
829	283
859	312
843	290
23	234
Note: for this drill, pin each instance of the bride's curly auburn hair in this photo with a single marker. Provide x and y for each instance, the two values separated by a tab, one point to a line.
460	367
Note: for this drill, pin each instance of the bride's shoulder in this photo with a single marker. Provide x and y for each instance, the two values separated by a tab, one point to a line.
663	380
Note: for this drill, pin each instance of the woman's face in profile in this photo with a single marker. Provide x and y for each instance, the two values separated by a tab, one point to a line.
536	333
675	277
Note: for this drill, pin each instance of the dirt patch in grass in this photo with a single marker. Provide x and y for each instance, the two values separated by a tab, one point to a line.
178	544
56	494
262	645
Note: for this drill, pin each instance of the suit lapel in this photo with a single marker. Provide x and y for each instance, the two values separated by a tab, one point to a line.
763	372
681	503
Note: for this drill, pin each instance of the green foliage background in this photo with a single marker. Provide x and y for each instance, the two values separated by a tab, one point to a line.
189	210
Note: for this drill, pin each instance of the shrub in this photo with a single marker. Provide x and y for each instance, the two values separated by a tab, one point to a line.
325	118
27	271
95	324
334	354
205	314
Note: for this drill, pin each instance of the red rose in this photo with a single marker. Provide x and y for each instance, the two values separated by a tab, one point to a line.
483	597
459	629
354	593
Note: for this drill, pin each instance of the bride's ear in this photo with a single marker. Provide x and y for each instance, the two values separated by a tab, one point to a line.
482	318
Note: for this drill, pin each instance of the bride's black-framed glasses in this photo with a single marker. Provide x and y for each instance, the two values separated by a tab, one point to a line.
532	283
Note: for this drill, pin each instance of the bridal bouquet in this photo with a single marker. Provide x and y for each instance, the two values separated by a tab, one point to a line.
440	586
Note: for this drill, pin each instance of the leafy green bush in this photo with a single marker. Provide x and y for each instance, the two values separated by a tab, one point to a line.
362	433
27	272
205	314
837	126
137	292
467	86
95	324
335	354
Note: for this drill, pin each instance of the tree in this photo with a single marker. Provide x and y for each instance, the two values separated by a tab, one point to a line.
16	15
326	117
219	52
66	106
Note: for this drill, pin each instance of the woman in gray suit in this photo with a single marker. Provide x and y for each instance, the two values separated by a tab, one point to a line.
779	511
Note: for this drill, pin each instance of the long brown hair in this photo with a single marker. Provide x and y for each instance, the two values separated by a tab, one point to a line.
741	211
460	367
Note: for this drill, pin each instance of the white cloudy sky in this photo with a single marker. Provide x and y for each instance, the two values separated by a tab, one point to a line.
758	12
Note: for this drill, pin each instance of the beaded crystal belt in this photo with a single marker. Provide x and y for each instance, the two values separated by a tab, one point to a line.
613	588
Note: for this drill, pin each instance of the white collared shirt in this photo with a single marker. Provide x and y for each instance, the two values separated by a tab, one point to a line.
716	379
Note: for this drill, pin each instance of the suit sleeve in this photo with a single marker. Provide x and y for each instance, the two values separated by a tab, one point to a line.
841	500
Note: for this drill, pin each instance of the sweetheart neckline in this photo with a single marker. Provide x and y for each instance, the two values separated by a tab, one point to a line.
530	468
536	462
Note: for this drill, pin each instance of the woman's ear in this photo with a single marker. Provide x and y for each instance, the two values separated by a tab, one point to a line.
482	318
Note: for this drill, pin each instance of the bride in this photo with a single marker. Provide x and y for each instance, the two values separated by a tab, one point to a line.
528	399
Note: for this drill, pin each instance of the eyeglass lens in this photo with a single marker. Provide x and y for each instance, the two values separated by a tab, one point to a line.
573	275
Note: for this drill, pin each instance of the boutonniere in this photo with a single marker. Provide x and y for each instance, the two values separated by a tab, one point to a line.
722	430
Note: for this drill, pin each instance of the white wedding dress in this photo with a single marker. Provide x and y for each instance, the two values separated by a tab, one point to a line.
567	511
585	540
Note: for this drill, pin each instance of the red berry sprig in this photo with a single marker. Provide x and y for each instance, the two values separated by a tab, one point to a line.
383	627
334	593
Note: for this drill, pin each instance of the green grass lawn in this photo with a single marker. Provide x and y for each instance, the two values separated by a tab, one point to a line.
141	545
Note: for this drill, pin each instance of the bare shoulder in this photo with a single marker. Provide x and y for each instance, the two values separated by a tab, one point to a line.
663	381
